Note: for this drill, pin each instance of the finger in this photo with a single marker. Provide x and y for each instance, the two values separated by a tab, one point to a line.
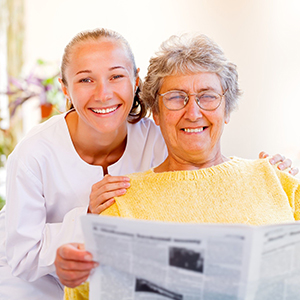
72	265
74	252
285	164
111	194
78	280
276	159
100	202
111	179
294	171
109	187
101	208
263	155
71	275
100	194
80	246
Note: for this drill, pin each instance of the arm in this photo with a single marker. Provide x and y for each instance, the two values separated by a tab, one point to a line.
285	162
73	264
38	221
33	235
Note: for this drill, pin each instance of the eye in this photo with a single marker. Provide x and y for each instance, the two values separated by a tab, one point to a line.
175	96
87	80
208	96
117	76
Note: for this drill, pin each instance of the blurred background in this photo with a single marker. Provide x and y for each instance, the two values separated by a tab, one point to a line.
262	37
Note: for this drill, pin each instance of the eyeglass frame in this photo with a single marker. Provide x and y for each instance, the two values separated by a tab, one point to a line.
196	100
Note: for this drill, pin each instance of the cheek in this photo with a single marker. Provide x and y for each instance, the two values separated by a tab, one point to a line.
217	120
79	91
126	92
169	124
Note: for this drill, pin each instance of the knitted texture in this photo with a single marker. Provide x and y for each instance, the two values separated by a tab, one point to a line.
237	191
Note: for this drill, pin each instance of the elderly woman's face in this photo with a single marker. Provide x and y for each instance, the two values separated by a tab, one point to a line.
192	134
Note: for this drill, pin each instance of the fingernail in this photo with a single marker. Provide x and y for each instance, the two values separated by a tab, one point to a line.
272	161
126	184
88	257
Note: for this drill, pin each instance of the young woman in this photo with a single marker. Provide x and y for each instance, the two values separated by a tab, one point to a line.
51	172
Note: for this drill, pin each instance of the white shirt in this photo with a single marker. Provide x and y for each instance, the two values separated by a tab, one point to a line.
48	188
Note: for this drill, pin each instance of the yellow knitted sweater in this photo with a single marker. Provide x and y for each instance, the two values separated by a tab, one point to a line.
237	191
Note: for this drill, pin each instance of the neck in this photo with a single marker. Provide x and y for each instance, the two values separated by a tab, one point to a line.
97	148
173	163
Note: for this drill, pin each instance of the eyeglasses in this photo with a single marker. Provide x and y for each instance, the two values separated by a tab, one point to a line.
206	100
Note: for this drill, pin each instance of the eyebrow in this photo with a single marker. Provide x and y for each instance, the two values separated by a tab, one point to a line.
204	89
209	88
117	67
110	69
83	71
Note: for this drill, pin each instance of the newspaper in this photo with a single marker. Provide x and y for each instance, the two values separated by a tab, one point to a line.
163	260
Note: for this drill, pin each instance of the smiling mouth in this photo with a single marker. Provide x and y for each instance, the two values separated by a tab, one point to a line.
192	130
105	110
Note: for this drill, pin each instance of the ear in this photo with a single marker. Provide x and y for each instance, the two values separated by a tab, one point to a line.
227	118
137	80
156	118
64	88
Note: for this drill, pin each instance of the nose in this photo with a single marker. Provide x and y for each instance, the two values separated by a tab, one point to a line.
192	110
102	91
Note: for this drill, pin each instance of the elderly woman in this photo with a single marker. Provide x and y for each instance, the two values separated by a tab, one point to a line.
192	89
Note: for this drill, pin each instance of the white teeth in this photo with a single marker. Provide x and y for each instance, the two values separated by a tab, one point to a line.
104	111
193	129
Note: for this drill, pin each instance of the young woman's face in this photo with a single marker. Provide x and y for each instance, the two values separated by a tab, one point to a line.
101	84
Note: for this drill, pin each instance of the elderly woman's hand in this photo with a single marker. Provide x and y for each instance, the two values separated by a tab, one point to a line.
104	191
73	264
285	162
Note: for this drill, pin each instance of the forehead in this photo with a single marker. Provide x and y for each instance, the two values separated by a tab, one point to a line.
191	82
103	50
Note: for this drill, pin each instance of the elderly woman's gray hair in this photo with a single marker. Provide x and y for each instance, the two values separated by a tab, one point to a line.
189	55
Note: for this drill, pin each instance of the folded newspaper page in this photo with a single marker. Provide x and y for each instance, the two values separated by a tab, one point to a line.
163	260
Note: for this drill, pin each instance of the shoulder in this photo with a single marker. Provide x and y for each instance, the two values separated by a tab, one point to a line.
264	167
144	127
146	138
141	175
46	126
48	134
243	163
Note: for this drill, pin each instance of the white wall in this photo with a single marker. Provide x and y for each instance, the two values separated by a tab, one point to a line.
261	36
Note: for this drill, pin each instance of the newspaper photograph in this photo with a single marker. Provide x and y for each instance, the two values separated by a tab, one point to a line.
164	260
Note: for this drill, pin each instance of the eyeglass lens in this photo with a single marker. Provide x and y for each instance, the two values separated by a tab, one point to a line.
207	100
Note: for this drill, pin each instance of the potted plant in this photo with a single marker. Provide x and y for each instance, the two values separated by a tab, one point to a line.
36	85
7	144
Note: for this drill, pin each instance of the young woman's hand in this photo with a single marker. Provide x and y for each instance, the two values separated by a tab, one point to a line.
73	264
286	163
104	191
